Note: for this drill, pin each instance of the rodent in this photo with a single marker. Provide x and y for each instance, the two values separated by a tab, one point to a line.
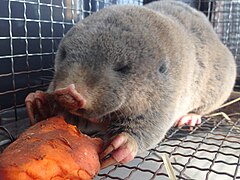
143	67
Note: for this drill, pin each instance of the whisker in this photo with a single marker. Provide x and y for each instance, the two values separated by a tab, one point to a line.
46	79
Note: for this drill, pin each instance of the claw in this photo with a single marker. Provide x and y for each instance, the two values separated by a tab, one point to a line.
29	105
107	151
108	162
122	149
39	104
190	119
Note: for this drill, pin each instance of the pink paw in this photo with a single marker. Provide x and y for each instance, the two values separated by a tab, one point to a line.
190	119
38	104
122	149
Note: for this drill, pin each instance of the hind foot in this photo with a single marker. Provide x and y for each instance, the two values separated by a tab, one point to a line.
190	119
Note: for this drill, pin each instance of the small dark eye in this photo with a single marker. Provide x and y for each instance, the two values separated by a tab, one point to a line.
123	69
163	68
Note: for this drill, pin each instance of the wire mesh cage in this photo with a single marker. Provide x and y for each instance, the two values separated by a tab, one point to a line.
210	151
30	31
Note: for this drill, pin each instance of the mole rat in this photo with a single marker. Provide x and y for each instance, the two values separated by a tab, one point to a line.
135	71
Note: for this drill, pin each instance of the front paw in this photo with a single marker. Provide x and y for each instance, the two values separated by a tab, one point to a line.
38	105
122	149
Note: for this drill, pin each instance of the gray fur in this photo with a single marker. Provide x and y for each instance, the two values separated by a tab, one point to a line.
145	67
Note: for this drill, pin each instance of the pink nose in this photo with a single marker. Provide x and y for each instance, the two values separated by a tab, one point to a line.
69	98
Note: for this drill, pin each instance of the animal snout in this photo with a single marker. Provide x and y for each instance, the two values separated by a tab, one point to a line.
69	98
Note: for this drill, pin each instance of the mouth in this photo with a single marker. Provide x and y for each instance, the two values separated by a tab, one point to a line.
115	115
93	116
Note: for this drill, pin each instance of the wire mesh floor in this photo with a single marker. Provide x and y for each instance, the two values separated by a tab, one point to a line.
210	151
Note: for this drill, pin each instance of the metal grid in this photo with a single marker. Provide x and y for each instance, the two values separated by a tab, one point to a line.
30	31
210	151
225	18
34	29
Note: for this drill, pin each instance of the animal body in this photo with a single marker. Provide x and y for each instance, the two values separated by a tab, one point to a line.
136	70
